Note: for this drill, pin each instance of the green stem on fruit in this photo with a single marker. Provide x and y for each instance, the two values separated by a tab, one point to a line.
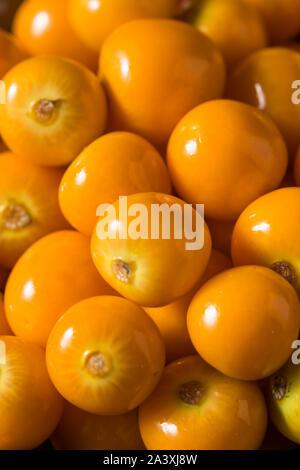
191	393
286	270
15	216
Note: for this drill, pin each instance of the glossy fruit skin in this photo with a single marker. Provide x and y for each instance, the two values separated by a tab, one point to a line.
160	271
94	24
218	422
133	166
51	276
132	347
245	34
243	322
79	430
38	197
219	170
30	406
281	17
264	80
171	319
79	114
156	70
44	28
284	409
11	52
4	326
268	231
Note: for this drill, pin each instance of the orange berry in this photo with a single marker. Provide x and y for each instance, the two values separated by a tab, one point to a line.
109	363
79	430
29	206
282	18
51	276
243	322
194	407
264	80
245	34
154	71
30	407
44	28
267	234
209	164
55	107
133	166
94	21
151	268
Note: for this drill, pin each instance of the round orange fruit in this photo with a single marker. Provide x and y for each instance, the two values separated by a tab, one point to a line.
143	248
43	27
55	107
51	276
244	321
30	406
105	355
154	72
133	166
225	167
194	407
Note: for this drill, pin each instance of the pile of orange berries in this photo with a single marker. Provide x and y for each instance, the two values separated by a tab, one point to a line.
138	342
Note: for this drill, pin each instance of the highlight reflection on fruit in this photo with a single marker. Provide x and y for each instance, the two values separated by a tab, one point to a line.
30	406
109	363
157	269
196	408
244	321
51	100
79	430
51	276
27	211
